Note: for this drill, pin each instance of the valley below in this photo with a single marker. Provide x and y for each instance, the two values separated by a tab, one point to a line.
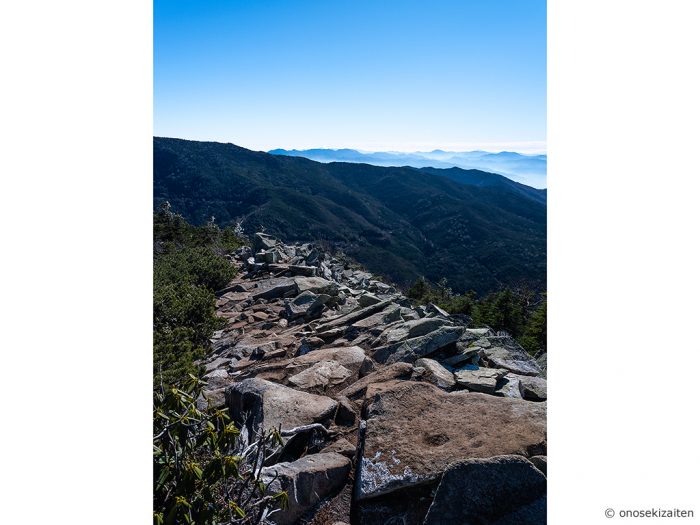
478	230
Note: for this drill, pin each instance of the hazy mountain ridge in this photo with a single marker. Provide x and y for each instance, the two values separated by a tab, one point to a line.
481	233
526	169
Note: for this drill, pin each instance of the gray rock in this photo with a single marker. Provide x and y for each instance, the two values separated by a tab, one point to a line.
380	287
530	514
501	489
347	412
272	256
368	299
412	349
238	287
251	347
342	446
482	380
533	388
306	271
390	314
540	462
262	241
435	373
317	285
506	353
404	507
216	374
434	310
321	375
258	405
243	252
313	257
465	356
306	304
219	362
414	431
407	314
358	389
479	332
307	481
542	362
353	317
509	386
351	357
274	288
214	398
409	330
325	272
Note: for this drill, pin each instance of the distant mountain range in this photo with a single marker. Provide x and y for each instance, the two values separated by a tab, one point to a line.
526	169
479	230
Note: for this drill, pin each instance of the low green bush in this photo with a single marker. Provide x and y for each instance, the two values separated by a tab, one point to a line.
203	474
188	267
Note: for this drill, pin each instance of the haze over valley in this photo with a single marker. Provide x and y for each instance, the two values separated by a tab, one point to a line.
526	169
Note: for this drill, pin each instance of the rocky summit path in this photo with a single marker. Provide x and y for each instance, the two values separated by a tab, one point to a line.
414	416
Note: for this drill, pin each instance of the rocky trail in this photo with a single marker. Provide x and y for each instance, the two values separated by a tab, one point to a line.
402	414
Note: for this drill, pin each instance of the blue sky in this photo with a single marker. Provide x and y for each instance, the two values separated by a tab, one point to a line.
371	75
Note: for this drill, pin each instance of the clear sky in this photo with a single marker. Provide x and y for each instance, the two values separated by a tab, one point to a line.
371	75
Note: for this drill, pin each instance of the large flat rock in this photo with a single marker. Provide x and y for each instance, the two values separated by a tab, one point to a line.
481	380
315	370
509	386
390	314
414	430
358	389
351	357
411	349
500	490
274	288
353	317
317	285
505	352
260	405
321	376
411	329
533	388
306	304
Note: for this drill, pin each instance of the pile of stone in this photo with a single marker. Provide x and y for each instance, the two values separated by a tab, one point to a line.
414	416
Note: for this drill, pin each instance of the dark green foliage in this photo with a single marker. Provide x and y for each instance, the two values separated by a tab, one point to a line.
502	310
183	322
198	266
202	475
419	290
459	304
521	313
534	340
423	292
397	222
171	232
188	267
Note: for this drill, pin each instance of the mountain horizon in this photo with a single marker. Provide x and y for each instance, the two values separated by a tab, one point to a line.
479	230
528	169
